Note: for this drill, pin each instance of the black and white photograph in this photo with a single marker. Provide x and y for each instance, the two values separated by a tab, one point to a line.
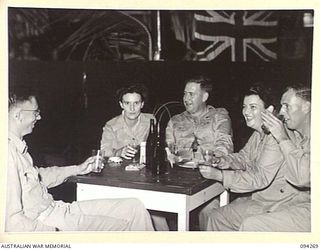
159	120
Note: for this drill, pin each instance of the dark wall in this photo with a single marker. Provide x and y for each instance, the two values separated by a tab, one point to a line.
69	129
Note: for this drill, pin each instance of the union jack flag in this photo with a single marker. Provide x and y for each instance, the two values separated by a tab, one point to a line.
242	35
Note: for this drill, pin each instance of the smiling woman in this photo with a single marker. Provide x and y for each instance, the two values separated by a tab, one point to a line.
256	99
276	202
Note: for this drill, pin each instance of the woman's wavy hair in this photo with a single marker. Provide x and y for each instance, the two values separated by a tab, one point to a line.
265	93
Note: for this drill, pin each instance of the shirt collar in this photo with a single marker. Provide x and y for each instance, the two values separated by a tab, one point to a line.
125	123
208	109
20	144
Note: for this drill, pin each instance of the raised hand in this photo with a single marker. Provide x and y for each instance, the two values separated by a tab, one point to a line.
274	125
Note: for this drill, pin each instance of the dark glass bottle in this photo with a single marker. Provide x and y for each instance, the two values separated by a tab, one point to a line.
159	154
150	145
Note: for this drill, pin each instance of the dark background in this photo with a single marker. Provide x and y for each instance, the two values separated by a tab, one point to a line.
70	129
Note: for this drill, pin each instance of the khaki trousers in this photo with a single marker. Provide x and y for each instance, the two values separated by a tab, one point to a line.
237	216
99	215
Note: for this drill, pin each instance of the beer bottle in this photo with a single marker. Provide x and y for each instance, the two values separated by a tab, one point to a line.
150	145
159	154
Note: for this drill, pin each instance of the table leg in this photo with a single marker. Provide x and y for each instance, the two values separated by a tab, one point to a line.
224	198
183	219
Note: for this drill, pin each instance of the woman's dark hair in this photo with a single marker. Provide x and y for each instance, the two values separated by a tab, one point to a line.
134	88
263	91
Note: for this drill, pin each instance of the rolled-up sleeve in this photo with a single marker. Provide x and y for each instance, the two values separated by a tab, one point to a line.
54	176
107	140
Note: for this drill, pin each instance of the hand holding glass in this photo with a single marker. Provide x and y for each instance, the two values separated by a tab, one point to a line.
208	156
136	148
98	164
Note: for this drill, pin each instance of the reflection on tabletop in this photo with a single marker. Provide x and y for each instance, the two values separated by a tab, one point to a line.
176	176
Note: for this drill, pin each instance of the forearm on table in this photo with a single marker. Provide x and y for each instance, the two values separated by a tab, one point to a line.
54	176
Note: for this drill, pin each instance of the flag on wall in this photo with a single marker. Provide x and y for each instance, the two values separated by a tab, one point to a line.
240	35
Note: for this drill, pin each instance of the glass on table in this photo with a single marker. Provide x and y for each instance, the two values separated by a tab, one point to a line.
136	146
99	160
173	148
208	156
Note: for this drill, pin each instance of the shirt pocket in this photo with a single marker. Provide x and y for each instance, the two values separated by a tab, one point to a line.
184	130
30	180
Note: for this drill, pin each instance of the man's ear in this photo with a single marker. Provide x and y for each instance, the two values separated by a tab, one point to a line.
142	104
16	114
306	107
205	96
121	105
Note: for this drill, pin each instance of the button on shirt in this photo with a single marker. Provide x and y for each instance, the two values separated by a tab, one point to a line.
275	173
27	194
116	133
212	130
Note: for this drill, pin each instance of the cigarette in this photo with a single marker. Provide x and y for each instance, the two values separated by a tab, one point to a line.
97	159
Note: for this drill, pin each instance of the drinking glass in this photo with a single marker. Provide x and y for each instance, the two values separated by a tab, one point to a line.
173	148
207	156
98	161
136	158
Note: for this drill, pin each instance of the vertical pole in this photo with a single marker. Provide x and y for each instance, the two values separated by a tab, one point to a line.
157	53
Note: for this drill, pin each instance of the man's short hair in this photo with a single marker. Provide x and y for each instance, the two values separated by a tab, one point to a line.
134	88
20	94
206	83
301	90
265	93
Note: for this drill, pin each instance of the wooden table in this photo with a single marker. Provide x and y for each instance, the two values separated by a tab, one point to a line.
178	191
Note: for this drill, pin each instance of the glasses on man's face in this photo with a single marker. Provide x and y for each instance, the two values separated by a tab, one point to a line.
36	112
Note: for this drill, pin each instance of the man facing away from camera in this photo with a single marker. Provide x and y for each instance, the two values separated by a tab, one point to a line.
200	128
30	207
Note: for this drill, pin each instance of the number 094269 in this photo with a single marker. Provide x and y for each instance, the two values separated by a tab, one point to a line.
310	246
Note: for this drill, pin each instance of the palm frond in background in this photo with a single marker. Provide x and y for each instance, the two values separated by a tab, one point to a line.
79	34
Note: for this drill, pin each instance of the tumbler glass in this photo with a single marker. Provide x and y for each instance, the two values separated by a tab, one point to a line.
98	161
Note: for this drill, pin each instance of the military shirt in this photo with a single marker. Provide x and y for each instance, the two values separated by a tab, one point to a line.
116	133
27	193
278	175
212	130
